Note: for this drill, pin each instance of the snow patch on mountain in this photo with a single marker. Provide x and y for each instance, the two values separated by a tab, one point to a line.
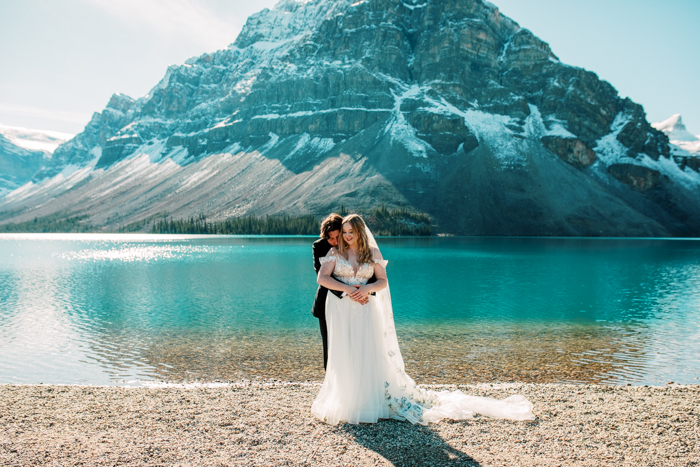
399	129
308	113
608	148
307	144
490	129
687	177
410	7
535	125
401	132
274	139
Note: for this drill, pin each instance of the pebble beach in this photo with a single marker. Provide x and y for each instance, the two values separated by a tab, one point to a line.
269	423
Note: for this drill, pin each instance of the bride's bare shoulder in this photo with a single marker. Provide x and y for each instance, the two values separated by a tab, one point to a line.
330	256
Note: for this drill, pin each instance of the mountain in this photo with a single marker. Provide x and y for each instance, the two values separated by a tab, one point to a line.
17	165
23	152
685	146
34	140
445	106
676	131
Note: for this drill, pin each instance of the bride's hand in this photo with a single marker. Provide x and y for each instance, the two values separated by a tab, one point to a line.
355	294
358	297
359	293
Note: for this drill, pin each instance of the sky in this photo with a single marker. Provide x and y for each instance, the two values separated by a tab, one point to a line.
61	60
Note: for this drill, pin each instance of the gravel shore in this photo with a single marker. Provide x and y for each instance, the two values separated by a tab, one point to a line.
269	423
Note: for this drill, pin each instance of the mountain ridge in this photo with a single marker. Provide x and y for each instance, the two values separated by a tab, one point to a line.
445	106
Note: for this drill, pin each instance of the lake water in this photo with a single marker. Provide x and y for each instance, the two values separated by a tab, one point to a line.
128	309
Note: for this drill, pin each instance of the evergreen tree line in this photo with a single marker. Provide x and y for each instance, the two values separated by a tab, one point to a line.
382	221
59	222
246	225
398	222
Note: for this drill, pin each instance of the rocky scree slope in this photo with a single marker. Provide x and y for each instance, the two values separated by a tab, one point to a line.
443	105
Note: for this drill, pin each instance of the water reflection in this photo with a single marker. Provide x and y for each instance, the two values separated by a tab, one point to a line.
38	341
108	309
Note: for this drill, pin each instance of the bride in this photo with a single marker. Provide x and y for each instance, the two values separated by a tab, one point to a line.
365	378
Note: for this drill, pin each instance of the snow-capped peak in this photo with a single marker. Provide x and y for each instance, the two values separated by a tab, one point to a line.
680	137
675	129
34	140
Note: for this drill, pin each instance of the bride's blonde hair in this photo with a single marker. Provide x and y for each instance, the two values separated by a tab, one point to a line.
364	252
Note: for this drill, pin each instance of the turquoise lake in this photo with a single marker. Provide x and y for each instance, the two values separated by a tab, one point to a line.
130	309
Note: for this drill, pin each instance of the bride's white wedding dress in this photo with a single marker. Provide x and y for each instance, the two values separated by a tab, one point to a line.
365	378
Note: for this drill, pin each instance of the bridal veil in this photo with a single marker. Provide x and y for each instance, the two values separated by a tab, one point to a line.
420	406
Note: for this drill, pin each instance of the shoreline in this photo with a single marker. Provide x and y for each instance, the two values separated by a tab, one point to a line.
274	382
139	234
269	423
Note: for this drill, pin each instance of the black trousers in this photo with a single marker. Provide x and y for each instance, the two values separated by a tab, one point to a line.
324	337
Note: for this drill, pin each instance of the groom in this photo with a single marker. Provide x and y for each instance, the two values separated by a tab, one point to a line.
330	235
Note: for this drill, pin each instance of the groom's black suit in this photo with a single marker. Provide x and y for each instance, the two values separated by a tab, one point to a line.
321	248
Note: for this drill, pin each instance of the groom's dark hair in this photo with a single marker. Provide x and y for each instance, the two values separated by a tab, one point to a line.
331	223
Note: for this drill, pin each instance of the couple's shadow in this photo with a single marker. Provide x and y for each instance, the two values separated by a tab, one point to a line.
404	444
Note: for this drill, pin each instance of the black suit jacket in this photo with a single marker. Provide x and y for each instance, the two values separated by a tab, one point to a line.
321	247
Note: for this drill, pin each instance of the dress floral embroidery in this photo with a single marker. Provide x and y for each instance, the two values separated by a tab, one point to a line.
408	406
344	271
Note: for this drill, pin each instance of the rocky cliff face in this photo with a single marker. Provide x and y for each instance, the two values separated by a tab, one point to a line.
443	105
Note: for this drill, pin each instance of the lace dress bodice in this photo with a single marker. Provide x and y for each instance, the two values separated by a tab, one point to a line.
344	271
